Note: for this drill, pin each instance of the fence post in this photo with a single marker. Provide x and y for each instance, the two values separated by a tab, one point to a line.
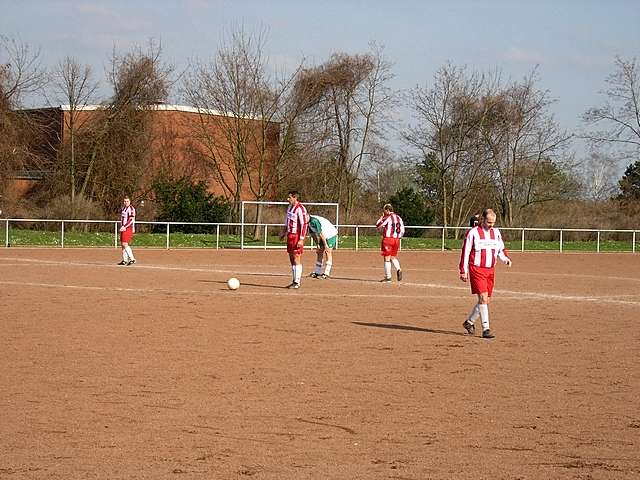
560	240
217	236
265	236
167	235
522	241
115	234
62	235
6	234
442	246
356	238
633	242
598	243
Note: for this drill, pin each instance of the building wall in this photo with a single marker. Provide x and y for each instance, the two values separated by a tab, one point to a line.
181	145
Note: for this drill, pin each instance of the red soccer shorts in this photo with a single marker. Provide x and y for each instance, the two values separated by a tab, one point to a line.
292	244
481	279
389	247
126	236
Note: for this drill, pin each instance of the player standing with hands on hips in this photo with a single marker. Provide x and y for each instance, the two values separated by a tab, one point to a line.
127	229
391	227
482	246
295	229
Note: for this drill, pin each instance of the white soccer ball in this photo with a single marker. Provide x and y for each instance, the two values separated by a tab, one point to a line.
233	283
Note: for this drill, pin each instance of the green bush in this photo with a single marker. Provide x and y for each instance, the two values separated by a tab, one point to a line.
411	207
182	200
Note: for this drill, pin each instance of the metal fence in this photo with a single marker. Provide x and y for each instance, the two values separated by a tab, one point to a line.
22	232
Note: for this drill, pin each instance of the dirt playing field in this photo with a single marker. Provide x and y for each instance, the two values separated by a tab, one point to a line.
157	371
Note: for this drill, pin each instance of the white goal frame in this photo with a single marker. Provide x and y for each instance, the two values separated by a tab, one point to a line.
309	204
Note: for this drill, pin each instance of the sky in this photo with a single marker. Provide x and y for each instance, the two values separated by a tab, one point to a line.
573	43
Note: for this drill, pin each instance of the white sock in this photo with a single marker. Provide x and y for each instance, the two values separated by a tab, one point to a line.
130	252
297	269
473	316
396	264
387	269
484	316
318	268
125	257
327	268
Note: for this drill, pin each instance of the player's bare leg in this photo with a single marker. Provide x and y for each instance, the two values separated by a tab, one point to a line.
387	269
296	269
483	307
328	255
129	252
125	255
396	264
317	269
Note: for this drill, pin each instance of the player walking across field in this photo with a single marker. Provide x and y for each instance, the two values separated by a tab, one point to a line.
325	234
295	228
391	226
482	246
127	229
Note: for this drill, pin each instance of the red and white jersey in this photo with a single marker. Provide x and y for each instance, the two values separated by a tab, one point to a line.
297	220
128	217
481	248
391	226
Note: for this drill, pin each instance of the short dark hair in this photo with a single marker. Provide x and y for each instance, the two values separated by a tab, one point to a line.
474	221
294	193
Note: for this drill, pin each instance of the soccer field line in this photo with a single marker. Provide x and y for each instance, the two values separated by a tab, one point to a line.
510	294
235	268
223	291
505	294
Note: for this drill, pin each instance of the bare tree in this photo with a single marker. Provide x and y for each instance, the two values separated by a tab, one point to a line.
599	176
20	74
346	101
76	88
117	148
619	116
527	149
247	118
450	117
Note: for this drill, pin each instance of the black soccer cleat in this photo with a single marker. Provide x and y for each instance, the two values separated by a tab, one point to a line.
399	275
131	262
325	276
469	327
123	262
314	275
487	334
294	285
386	280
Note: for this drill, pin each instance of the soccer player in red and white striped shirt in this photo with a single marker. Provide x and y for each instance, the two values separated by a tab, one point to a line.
391	226
295	229
127	229
482	246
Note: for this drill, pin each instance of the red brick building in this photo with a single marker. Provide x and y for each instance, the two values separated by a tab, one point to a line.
183	138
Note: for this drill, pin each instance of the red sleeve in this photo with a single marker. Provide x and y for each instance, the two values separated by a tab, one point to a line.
464	255
303	218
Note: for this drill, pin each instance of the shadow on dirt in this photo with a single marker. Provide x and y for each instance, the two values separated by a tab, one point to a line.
409	327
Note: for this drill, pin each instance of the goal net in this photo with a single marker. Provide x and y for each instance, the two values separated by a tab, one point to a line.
262	222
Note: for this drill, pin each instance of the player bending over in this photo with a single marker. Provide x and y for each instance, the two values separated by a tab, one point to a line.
325	235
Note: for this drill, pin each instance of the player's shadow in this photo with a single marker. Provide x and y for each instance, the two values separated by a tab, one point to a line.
409	327
245	284
349	279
